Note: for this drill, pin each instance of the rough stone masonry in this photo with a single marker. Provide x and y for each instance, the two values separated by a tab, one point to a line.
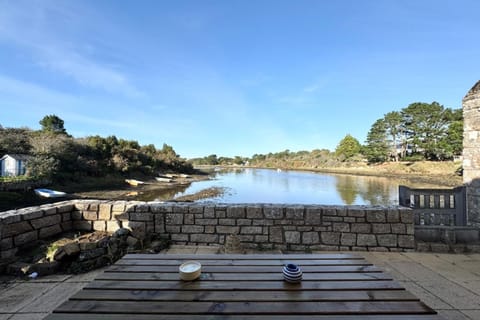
471	153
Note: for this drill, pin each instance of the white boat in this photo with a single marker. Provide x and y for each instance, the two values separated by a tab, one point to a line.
163	179
47	193
183	175
134	182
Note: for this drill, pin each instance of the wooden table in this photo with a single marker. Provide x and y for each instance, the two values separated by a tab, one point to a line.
334	286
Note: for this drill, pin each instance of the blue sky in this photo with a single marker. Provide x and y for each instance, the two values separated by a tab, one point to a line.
232	77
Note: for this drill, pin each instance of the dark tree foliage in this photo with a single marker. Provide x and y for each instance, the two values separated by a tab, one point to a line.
420	131
59	157
52	123
377	148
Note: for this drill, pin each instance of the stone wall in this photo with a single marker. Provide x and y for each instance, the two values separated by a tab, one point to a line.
258	226
471	153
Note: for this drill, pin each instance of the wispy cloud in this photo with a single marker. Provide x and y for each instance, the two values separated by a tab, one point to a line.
43	31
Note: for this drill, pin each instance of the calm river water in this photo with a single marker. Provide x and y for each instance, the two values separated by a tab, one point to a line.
272	186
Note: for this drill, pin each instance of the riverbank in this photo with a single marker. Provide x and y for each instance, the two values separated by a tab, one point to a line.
443	173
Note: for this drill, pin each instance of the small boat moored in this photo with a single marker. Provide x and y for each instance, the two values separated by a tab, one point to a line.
48	193
134	182
163	179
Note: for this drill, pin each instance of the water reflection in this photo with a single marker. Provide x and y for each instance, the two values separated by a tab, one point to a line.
272	186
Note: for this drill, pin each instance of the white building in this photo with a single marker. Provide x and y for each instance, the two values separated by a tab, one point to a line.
13	165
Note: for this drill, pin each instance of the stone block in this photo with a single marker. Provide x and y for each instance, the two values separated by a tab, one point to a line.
226	222
406	241
361	228
172	229
273	212
251	230
209	229
410	229
159	208
393	216
180	208
387	240
236	212
439	247
332	212
205	222
261	239
50	231
310	238
46	221
192	229
99	225
422	246
364	240
341	227
313	216
359	249
179	237
25	238
77	215
381	228
276	234
71	248
375	216
262	222
137	229
174	218
105	211
199	209
357	213
244	222
82	225
204	238
330	238
294	212
49	210
332	219
113	226
66	216
8	254
34	214
6	244
350	219
398	228
292	237
142	207
227	229
90	215
348	239
142	216
406	216
17	228
64	208
254	212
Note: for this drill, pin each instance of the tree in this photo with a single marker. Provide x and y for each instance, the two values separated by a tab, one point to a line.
377	149
348	147
426	125
52	123
393	125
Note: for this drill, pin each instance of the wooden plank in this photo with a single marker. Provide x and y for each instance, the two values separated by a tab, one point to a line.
278	276
271	308
244	285
326	256
280	262
241	269
278	296
98	316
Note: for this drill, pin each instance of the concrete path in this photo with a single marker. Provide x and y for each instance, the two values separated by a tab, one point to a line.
449	283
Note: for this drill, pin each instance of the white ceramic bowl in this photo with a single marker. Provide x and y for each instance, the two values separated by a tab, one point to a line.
190	270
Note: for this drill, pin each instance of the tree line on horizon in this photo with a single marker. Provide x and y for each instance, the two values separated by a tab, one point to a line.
420	131
58	157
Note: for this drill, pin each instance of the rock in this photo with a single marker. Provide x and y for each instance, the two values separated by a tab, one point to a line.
133	242
47	268
71	248
122	232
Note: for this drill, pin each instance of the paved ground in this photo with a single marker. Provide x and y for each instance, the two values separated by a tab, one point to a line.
449	283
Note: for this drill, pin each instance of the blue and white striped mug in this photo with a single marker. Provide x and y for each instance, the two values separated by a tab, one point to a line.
292	273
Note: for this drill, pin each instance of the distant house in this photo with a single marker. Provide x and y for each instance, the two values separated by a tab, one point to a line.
13	165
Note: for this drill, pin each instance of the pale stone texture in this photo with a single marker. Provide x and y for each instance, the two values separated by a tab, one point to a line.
471	152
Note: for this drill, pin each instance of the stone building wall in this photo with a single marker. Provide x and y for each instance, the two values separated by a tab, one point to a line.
471	153
257	226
